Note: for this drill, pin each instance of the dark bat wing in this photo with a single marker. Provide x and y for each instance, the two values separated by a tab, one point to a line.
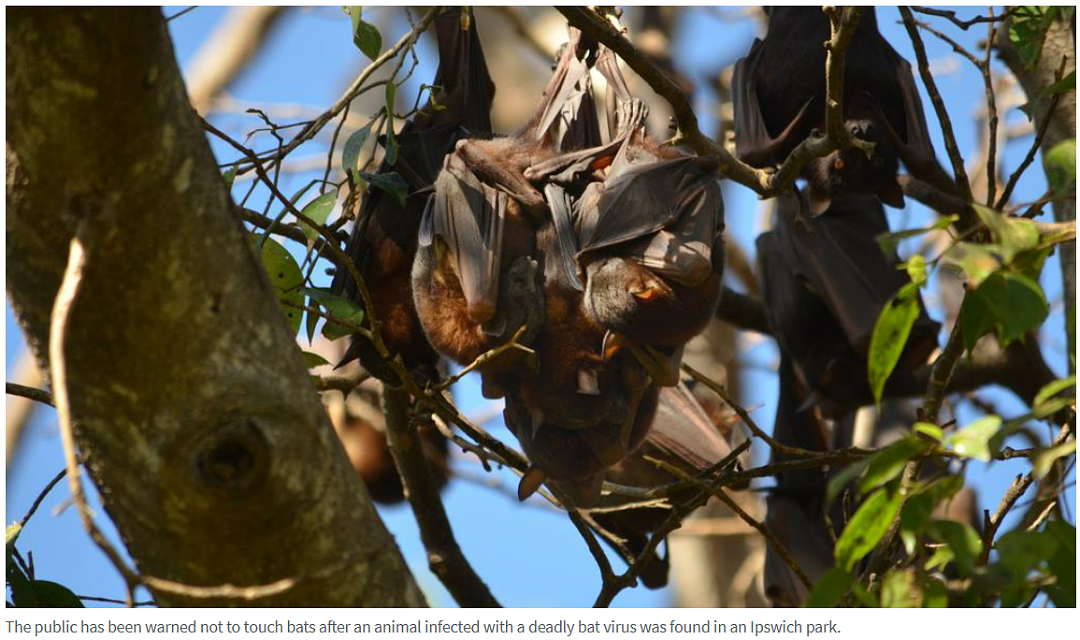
838	256
469	217
917	151
682	435
753	142
466	97
568	111
668	215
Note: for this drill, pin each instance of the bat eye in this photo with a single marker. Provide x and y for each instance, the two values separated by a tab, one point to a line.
838	164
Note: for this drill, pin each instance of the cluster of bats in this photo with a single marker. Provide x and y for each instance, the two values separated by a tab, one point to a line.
603	258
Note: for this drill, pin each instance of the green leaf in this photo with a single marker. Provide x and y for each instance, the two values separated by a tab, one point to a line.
929	430
318	210
285	277
899	589
1060	164
1062	564
890	336
1050	400
365	36
839	481
935	593
1013	235
916	269
391	183
312	360
889	462
12	534
1024	551
1027	31
889	241
1013	304
962	541
1046	459
390	141
830	588
914	518
350	153
1068	83
52	594
340	309
866	527
973	440
977	261
229	176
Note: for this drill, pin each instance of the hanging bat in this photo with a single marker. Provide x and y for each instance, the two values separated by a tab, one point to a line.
796	505
483	220
650	234
824	285
683	435
779	98
383	240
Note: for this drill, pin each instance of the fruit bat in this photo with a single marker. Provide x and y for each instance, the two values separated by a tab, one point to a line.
796	505
825	283
650	237
685	436
361	427
479	230
779	98
383	240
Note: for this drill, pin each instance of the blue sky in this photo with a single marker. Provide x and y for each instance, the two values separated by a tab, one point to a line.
308	61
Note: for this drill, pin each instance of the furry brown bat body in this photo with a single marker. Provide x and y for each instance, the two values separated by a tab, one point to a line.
384	238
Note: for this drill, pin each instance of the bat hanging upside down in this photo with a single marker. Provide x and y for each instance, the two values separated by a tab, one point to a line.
383	240
604	252
779	99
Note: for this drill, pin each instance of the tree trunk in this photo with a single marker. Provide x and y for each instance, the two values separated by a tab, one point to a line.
193	410
1060	43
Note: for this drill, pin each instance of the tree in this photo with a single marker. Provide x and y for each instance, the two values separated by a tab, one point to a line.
137	288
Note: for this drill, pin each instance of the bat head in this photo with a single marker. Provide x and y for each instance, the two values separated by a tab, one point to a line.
850	171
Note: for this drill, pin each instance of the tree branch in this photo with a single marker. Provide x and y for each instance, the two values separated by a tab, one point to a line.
445	558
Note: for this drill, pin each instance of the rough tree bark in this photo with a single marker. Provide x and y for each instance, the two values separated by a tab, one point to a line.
1059	45
193	410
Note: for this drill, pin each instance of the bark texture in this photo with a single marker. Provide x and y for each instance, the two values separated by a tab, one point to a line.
1059	45
193	410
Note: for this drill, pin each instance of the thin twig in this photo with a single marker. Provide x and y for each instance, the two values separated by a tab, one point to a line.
41	496
722	495
1035	145
486	357
354	89
964	24
765	183
37	395
66	297
959	172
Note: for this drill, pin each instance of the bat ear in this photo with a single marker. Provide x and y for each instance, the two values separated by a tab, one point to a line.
530	482
891	194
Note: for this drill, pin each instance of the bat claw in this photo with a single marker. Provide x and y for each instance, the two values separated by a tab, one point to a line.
612	345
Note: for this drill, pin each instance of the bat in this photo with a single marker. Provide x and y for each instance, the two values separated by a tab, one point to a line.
796	505
825	283
384	239
650	237
361	427
779	99
483	219
685	436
